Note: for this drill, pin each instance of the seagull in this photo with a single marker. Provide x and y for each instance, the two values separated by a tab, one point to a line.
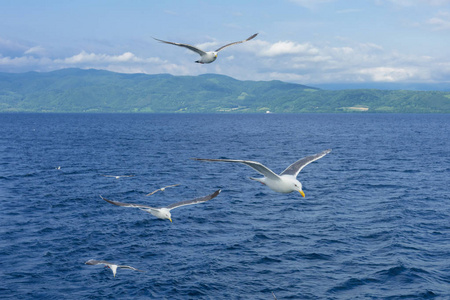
162	189
112	266
275	297
164	212
206	57
287	181
118	176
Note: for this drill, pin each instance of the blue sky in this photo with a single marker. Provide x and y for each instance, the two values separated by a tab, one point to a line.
302	41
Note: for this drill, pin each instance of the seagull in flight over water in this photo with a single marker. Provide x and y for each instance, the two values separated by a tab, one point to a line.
162	189
206	57
112	266
287	181
164	212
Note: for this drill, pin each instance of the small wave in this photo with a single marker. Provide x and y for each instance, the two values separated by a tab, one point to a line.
351	284
420	295
316	256
382	186
268	260
260	236
308	256
401	270
411	171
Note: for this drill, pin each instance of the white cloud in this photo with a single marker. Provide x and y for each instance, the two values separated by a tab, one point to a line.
305	63
390	74
208	46
37	50
284	48
355	62
84	57
24	64
11	48
441	21
123	63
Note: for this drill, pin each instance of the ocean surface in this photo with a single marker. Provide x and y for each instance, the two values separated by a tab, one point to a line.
375	223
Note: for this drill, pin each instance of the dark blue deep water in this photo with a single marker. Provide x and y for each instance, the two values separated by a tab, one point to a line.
375	223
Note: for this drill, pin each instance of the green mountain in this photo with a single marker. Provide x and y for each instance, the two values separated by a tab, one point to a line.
76	90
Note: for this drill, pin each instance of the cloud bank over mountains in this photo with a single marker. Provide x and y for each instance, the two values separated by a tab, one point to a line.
301	41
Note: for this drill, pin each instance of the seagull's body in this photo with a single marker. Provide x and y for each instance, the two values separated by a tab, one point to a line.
118	176
112	266
164	212
287	181
162	189
206	57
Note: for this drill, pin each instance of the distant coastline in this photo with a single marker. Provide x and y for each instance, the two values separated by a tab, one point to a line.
97	91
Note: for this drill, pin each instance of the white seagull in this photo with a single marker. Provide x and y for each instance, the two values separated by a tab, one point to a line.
205	57
118	176
287	181
112	266
164	212
162	189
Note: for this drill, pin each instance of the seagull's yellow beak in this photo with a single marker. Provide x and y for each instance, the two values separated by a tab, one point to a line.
170	219
302	193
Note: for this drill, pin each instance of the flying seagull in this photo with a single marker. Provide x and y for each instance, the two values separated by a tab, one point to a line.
287	181
118	176
164	212
112	266
162	189
206	57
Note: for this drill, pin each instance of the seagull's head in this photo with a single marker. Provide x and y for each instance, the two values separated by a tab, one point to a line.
298	187
165	213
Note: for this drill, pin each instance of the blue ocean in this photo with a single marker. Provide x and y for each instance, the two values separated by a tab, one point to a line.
374	223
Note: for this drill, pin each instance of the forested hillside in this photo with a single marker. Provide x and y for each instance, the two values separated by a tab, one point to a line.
76	90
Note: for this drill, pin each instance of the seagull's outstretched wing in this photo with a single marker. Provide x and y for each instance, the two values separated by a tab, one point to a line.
98	262
234	43
194	201
190	47
162	189
129	267
149	194
253	164
127	204
296	167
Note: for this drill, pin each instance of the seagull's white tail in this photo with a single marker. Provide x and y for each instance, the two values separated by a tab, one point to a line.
114	269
